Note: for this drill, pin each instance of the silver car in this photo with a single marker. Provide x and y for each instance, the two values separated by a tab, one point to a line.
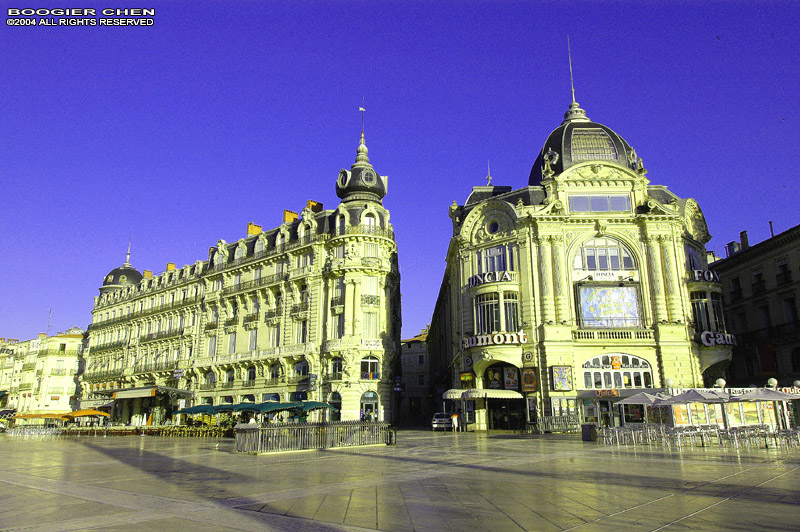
442	420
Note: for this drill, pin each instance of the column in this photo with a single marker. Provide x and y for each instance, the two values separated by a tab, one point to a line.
546	278
349	307
656	279
562	310
672	273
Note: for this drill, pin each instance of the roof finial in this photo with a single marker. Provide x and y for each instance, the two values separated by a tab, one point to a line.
361	158
571	82
488	173
128	254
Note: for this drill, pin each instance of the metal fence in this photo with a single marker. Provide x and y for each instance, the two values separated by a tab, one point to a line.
558	424
299	436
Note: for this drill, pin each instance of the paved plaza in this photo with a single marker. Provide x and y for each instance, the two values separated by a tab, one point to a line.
429	481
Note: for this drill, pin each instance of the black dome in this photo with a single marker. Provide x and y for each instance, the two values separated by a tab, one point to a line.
578	140
361	182
118	278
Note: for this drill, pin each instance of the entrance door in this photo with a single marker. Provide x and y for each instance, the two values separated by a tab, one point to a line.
369	406
506	414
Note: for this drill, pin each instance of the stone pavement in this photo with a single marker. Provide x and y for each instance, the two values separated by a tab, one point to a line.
428	482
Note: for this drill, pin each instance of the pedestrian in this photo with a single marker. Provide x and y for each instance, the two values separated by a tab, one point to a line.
454	421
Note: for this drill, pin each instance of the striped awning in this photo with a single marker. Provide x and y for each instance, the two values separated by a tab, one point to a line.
487	393
133	393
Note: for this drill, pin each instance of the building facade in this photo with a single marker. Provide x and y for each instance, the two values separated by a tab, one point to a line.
587	285
761	284
415	407
307	310
40	376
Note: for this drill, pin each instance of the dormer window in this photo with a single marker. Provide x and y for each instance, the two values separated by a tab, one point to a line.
600	203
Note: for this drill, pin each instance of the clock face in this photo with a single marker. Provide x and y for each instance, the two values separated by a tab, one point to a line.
344	178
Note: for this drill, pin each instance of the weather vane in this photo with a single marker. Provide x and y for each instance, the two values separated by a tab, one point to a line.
362	114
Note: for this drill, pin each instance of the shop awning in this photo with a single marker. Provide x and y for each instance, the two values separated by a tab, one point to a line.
475	393
133	393
150	391
453	393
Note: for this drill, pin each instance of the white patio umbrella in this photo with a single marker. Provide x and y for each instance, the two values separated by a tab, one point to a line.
701	396
765	394
643	398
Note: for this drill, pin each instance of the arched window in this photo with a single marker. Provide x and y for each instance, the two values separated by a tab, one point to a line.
370	368
369	220
603	254
210	378
239	253
229	376
340	223
251	374
275	372
617	371
259	246
335	400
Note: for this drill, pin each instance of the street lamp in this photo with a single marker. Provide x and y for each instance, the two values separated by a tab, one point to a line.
772	383
720	383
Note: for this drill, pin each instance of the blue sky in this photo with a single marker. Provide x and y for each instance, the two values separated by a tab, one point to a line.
221	113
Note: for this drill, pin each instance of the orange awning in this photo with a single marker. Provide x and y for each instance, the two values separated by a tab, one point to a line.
85	413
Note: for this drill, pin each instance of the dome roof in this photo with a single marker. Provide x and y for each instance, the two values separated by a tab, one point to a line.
578	140
125	275
361	182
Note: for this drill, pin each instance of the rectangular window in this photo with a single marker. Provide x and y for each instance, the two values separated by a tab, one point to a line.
370	325
790	308
716	306
275	336
301	334
253	339
421	380
487	313
702	321
511	311
421	360
370	286
370	249
340	325
594	203
212	346
231	343
338	252
257	274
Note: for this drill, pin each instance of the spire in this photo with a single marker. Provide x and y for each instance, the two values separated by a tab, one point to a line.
362	160
488	173
128	255
575	113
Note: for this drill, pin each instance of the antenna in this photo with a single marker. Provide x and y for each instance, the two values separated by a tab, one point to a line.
571	82
488	173
128	254
49	315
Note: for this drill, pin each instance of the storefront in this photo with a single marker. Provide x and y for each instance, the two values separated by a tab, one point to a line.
150	405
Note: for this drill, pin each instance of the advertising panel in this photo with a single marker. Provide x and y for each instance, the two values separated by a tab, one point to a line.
609	306
529	381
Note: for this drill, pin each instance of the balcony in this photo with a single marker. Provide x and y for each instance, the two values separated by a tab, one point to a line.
300	307
58	371
274	313
613	334
107	347
211	325
103	375
249	384
25	386
370	230
273	381
160	335
783	278
232	322
759	287
156	366
296	379
29	366
207	386
337	301
367	299
250	318
226	385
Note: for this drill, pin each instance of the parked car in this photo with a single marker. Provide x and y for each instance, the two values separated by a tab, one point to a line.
442	420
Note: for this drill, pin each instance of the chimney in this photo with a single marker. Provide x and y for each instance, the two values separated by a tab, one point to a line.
315	206
289	216
743	239
771	230
170	266
732	248
253	229
147	274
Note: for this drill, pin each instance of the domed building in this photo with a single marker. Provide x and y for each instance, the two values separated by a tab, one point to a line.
588	285
307	310
121	277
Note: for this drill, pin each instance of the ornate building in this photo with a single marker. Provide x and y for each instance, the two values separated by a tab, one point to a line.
587	285
307	310
40	376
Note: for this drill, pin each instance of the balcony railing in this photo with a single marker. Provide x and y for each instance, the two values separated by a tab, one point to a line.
227	385
300	307
273	381
58	371
211	325
230	322
371	230
255	283
28	366
103	375
160	335
337	301
367	299
155	366
610	323
613	334
296	379
207	386
145	311
250	318
249	384
273	313
109	346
